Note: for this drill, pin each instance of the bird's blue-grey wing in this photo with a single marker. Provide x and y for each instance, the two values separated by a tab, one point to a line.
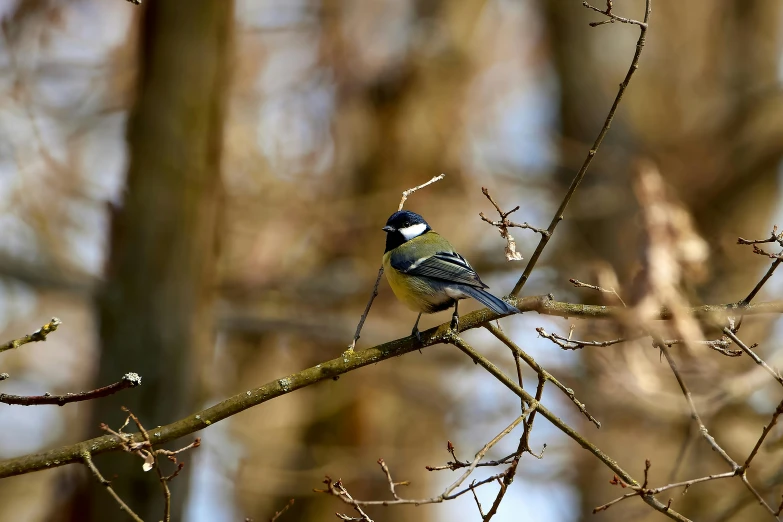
445	266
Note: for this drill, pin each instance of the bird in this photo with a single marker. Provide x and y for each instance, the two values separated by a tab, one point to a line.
427	274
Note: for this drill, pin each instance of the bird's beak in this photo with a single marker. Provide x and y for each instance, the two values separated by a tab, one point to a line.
387	228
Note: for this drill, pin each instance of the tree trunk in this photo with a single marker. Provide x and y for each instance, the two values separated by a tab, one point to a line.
156	311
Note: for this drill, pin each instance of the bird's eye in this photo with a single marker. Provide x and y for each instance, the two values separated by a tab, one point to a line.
406	225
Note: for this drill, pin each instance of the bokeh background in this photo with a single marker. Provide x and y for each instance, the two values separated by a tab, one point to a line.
196	188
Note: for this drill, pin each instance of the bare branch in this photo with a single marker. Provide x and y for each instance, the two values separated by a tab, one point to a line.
524	446
475	497
37	336
572	344
579	284
149	455
774	237
654	491
392	484
558	423
748	350
278	514
736	468
762	252
566	343
87	459
504	224
410	191
694	414
612	17
366	310
764	434
337	489
343	364
540	371
591	153
129	380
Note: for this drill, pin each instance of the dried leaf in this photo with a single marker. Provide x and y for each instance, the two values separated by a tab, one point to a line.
511	249
149	461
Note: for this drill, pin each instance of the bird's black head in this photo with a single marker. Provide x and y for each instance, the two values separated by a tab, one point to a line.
403	226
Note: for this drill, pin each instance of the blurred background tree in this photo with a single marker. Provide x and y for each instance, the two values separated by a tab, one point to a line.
251	155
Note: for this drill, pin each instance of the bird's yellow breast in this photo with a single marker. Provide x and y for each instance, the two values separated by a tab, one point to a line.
412	291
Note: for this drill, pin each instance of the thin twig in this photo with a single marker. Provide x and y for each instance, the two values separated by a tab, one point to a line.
524	447
87	459
613	502
573	344
483	451
37	336
512	224
143	449
129	380
366	310
278	514
694	413
764	434
455	465
579	284
613	18
392	484
775	264
541	371
334	488
343	494
654	491
475	497
591	153
410	191
736	468
504	224
748	350
566	343
557	422
775	237
154	462
687	483
762	252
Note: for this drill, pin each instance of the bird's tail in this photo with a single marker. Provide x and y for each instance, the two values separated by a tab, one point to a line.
490	301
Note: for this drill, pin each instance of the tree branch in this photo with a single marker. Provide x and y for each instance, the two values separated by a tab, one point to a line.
87	459
37	336
593	150
129	380
516	350
345	363
562	426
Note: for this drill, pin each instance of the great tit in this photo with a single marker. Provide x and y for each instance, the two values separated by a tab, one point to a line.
427	274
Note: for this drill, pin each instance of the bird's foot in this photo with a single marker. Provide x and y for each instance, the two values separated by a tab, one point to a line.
454	323
417	334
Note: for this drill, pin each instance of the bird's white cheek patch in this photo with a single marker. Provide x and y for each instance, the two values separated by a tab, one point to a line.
413	230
